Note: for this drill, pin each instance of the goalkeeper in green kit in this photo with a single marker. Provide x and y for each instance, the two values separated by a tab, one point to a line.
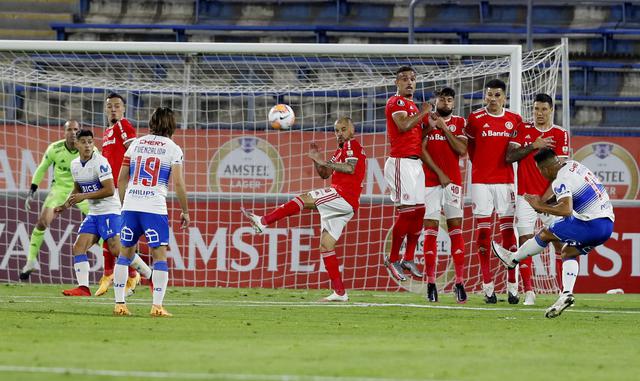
59	154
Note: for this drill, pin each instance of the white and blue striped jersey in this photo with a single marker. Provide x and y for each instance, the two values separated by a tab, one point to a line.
89	176
590	198
150	158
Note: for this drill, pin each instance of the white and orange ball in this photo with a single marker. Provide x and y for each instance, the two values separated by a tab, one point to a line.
281	117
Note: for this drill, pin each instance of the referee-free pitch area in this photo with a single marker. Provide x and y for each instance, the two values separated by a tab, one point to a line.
264	334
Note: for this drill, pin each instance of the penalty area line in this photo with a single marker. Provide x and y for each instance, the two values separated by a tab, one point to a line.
188	376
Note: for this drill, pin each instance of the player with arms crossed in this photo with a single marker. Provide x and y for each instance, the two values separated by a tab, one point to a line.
442	147
60	154
142	185
531	137
115	141
403	172
336	204
93	181
489	130
587	221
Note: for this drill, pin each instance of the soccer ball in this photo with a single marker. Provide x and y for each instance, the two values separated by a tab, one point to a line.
281	117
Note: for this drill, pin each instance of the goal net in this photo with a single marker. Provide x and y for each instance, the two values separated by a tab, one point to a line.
221	94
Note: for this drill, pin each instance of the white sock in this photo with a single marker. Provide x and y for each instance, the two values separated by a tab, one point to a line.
569	274
120	275
160	280
488	288
512	288
533	246
144	269
81	267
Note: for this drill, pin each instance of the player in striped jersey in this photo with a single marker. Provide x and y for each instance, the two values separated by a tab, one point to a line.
587	221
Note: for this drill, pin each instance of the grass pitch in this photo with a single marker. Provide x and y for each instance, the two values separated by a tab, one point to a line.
285	335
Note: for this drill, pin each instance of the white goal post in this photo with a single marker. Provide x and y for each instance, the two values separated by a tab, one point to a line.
221	93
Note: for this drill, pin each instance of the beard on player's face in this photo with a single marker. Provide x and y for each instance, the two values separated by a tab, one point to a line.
444	112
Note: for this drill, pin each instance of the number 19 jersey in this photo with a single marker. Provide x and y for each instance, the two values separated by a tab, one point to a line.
150	159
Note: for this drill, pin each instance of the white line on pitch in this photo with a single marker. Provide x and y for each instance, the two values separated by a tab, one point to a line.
256	303
189	376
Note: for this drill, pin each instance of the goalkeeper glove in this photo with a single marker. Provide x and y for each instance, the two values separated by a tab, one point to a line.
30	196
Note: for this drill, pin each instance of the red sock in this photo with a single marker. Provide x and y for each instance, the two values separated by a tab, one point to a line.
508	241
525	273
285	210
483	227
109	259
414	228
398	232
457	251
333	268
430	253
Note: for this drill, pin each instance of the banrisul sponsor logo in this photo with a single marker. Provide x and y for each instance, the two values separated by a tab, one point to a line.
246	164
613	165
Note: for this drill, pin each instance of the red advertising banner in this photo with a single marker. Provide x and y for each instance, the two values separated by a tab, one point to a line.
224	168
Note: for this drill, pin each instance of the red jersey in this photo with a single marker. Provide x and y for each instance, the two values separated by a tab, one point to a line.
349	186
442	154
403	144
489	137
113	144
530	180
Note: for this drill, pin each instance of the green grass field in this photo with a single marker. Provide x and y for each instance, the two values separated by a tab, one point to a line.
260	334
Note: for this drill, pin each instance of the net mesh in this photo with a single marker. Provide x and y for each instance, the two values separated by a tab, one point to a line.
234	159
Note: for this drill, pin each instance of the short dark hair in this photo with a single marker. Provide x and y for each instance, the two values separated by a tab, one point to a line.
84	132
116	95
544	98
496	84
162	122
543	155
446	92
405	68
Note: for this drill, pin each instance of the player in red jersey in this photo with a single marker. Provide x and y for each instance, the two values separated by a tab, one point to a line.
489	130
336	204
531	137
442	147
115	141
403	172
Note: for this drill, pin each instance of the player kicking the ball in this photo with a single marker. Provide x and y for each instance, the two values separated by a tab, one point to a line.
93	181
587	221
336	204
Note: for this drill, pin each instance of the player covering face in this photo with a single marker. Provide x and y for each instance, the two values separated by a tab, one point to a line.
336	204
443	145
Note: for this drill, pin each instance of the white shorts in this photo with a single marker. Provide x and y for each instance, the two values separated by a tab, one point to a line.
438	198
405	178
487	197
526	217
334	210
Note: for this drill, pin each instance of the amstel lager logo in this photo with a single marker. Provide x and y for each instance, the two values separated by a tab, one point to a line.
246	164
614	166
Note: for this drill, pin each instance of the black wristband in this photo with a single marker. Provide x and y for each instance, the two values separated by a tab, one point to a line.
34	188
